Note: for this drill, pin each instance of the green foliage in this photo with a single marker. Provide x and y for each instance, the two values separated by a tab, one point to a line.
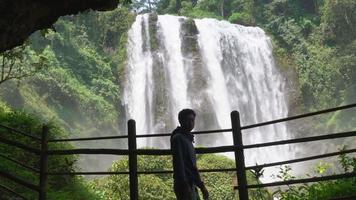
82	87
70	96
320	77
166	7
241	18
321	190
219	185
304	34
21	62
79	91
150	186
60	187
339	20
160	186
199	14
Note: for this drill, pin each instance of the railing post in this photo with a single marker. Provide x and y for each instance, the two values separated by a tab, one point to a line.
239	156
43	163
131	125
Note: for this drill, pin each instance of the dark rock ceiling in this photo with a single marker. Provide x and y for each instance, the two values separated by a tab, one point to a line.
20	18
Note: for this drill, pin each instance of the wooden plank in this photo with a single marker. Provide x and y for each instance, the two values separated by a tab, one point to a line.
89	138
19	145
200	150
12	192
303	159
20	132
19	181
299	116
138	172
86	173
193	132
239	156
43	164
19	163
305	139
306	180
131	124
89	151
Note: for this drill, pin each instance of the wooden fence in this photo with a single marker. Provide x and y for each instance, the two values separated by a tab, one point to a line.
238	148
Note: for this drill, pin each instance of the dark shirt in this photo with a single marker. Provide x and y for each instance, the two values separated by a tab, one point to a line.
185	171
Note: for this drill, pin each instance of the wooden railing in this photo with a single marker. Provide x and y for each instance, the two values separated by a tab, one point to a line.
42	153
238	148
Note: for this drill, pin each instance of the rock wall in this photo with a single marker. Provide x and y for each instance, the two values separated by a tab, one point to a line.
20	18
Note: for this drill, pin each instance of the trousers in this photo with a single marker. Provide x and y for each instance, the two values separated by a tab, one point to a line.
182	195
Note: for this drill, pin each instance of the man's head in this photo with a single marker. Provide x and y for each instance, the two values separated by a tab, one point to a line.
186	119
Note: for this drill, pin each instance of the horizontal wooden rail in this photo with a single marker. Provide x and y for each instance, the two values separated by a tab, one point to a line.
154	135
221	149
20	132
19	181
89	151
87	173
200	170
89	138
212	131
207	131
139	172
12	192
305	139
298	116
217	170
138	136
305	180
193	132
302	159
19	145
161	152
19	163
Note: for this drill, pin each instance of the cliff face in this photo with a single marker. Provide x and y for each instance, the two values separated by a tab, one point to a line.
20	18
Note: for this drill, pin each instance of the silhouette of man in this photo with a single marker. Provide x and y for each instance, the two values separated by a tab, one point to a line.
185	172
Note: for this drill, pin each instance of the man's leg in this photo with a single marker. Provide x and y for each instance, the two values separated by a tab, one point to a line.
183	195
195	193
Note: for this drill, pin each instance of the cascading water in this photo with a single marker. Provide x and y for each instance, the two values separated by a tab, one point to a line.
211	66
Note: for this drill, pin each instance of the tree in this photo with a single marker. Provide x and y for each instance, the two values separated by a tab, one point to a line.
144	6
339	20
20	62
179	4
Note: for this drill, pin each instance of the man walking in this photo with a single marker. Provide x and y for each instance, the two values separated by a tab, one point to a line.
185	172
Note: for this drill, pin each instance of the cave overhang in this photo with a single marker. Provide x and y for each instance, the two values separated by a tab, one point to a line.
20	18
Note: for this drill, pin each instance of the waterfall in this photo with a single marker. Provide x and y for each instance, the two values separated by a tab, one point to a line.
211	66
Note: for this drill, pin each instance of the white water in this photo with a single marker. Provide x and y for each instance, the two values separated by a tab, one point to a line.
235	71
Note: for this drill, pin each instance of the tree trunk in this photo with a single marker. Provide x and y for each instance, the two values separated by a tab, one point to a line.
222	8
178	5
149	5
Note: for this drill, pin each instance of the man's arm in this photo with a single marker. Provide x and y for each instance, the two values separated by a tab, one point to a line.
178	160
198	182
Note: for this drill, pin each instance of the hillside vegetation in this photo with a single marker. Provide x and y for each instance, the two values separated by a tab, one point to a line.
78	69
79	84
